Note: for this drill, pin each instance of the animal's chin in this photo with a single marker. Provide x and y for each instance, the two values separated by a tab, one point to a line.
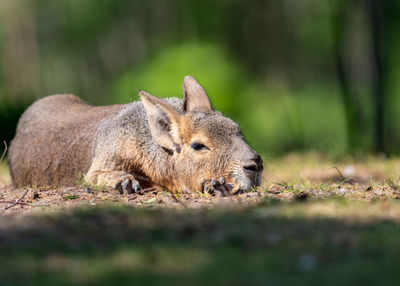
246	183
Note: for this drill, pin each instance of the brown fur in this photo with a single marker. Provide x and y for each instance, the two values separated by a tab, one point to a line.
60	137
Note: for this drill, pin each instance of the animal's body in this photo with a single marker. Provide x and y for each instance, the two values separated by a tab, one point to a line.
178	144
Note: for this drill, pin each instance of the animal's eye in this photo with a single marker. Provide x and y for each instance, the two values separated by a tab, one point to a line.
198	146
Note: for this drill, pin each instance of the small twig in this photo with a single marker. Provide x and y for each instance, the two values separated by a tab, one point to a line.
340	173
177	200
5	151
11	202
141	192
344	179
17	201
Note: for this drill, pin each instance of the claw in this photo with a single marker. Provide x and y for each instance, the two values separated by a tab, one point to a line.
136	187
214	182
127	186
222	180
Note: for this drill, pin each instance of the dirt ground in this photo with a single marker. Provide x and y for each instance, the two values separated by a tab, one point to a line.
294	177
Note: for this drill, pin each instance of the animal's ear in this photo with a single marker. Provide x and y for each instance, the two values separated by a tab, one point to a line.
196	98
163	120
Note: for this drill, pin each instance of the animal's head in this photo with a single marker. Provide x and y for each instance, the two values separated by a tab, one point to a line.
202	143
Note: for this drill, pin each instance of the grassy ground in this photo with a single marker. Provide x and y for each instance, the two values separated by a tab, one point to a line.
310	223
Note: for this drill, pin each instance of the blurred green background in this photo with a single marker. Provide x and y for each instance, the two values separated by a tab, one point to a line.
297	75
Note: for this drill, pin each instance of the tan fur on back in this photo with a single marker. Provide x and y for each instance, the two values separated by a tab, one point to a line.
54	140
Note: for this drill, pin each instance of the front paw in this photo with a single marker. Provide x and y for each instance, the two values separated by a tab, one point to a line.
218	187
127	185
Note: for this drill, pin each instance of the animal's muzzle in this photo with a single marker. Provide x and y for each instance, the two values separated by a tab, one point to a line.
253	165
253	168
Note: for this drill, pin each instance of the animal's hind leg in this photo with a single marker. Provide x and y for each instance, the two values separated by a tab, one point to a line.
121	181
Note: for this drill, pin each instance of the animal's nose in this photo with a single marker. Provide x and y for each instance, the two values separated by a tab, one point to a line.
255	164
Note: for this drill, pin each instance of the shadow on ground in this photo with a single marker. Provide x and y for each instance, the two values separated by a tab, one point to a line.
271	243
